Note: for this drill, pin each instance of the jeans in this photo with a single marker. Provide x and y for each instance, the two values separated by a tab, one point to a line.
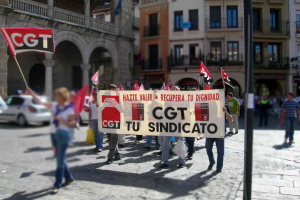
97	135
72	137
290	128
220	150
149	141
62	170
190	141
113	146
235	121
166	153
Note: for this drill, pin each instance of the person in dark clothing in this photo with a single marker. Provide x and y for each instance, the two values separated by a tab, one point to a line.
264	106
190	141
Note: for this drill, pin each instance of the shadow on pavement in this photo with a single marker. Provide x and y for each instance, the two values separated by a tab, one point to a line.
37	149
282	146
30	196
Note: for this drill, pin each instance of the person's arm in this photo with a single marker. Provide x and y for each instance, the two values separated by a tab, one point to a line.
228	116
239	108
37	99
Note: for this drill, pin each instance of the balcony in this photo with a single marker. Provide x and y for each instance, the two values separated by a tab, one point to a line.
184	61
277	1
263	27
224	24
146	2
151	64
258	1
268	63
225	61
151	31
43	10
135	22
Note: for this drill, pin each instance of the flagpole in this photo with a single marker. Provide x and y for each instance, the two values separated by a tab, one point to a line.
223	79
21	71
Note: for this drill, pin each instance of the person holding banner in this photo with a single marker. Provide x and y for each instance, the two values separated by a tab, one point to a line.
93	122
219	144
63	120
113	140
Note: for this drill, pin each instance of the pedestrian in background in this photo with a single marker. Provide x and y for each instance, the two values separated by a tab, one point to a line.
241	102
63	120
264	106
93	122
234	107
290	113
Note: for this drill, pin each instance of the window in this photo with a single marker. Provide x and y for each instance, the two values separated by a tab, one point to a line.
153	57
194	54
232	17
256	20
215	17
76	78
178	19
215	51
273	52
16	101
298	23
257	53
153	21
274	25
193	17
178	53
233	51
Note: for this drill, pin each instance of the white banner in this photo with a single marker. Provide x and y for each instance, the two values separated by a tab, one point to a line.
163	113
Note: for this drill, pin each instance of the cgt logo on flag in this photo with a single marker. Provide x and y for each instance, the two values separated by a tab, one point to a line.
29	39
111	117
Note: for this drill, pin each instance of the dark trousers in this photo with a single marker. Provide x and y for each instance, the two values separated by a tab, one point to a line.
113	146
263	116
220	150
190	141
139	137
290	128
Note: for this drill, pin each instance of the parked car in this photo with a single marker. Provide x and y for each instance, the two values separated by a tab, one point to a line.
24	110
84	115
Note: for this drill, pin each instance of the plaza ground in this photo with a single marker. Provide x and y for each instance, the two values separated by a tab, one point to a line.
27	169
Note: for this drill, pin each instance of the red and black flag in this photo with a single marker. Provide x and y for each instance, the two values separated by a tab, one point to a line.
204	72
225	78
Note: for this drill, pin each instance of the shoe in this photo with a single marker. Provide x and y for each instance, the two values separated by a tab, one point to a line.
67	183
236	132
211	165
180	166
159	153
99	150
218	171
95	149
291	141
163	166
285	140
108	162
170	152
230	133
117	158
121	146
190	157
137	141
146	147
55	191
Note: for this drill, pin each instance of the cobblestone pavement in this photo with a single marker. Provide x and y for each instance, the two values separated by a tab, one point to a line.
27	169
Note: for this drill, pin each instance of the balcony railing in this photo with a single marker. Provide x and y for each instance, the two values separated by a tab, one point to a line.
185	60
269	63
34	7
225	61
225	23
151	31
152	64
136	22
281	27
30	7
144	2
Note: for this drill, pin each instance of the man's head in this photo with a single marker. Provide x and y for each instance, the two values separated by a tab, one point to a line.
112	87
290	95
95	95
175	88
229	95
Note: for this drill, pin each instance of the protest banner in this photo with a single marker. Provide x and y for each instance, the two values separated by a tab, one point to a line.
162	113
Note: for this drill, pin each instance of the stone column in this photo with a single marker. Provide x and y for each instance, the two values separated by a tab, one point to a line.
85	73
87	12
50	9
49	63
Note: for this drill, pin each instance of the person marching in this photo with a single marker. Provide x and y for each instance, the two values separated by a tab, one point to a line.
289	112
219	144
93	122
63	120
234	107
113	140
166	147
264	106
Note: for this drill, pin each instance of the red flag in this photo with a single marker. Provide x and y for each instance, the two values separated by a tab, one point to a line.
204	72
207	87
95	78
224	75
170	84
142	87
163	87
78	100
91	96
121	88
136	86
168	88
281	121
26	39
